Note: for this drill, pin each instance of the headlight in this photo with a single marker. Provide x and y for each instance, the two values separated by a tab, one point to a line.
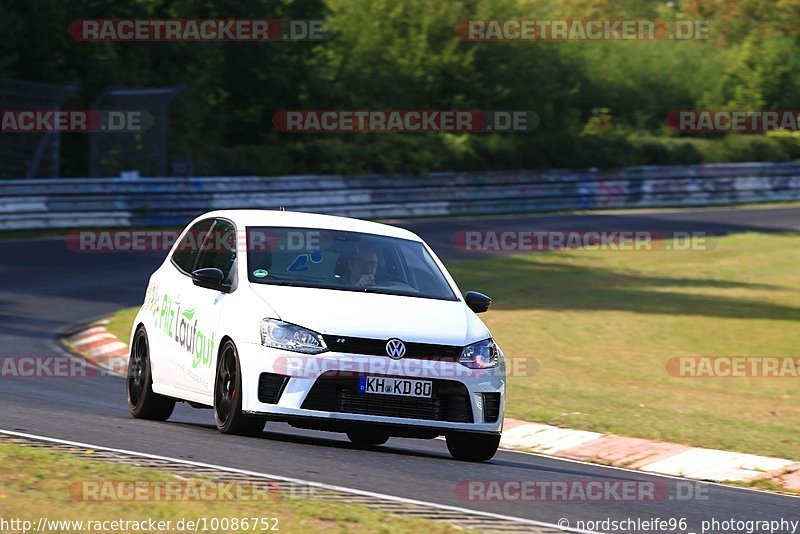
481	355
280	335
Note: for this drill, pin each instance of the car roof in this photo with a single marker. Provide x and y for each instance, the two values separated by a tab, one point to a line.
297	219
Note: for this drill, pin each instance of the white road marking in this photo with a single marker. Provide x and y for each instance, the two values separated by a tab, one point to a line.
309	483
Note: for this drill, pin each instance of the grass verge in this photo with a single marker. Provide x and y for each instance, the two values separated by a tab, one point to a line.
36	483
604	324
121	322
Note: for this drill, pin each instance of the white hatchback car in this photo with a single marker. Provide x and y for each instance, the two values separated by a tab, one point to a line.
323	322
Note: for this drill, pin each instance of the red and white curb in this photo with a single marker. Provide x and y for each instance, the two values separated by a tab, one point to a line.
95	343
648	455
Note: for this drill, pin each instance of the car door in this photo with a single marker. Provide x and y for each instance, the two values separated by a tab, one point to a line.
169	284
197	332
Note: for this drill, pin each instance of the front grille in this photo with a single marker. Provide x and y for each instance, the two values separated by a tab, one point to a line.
491	407
270	387
449	400
377	347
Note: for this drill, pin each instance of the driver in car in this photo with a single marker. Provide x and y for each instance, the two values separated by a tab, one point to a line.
362	268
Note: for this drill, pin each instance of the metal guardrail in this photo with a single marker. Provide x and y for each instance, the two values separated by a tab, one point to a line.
118	202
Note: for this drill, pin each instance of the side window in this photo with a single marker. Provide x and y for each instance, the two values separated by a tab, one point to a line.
219	249
186	253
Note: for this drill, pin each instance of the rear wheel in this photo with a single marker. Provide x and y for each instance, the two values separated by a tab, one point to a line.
228	396
473	447
143	402
368	437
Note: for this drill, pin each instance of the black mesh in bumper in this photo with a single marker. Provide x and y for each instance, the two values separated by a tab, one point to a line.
491	407
449	400
270	387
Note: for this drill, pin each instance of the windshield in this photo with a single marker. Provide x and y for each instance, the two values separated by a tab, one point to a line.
347	261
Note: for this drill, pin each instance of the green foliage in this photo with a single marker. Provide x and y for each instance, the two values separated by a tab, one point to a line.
404	54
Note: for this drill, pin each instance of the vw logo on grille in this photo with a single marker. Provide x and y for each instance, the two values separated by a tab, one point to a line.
395	348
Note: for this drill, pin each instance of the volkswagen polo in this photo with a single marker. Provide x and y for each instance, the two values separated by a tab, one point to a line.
322	322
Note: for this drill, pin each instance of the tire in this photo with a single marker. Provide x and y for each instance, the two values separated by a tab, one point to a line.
143	402
228	414
368	437
473	447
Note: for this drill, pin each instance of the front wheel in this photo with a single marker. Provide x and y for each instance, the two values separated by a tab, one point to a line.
143	402
228	396
473	447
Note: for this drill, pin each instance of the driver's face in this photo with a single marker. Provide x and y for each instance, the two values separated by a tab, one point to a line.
364	263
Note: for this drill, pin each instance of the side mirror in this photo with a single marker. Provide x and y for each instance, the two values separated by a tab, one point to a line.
478	302
210	278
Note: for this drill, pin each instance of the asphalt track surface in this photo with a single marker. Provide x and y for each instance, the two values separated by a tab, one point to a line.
46	288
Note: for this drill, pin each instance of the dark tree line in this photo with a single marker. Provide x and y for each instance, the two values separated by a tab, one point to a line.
600	103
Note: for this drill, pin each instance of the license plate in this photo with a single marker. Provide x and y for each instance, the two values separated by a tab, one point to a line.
404	387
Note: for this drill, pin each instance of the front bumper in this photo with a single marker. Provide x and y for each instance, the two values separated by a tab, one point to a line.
318	393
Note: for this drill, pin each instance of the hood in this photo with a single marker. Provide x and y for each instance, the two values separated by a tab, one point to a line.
373	315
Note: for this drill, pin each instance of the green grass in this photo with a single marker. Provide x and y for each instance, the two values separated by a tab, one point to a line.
764	484
121	322
36	483
602	326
